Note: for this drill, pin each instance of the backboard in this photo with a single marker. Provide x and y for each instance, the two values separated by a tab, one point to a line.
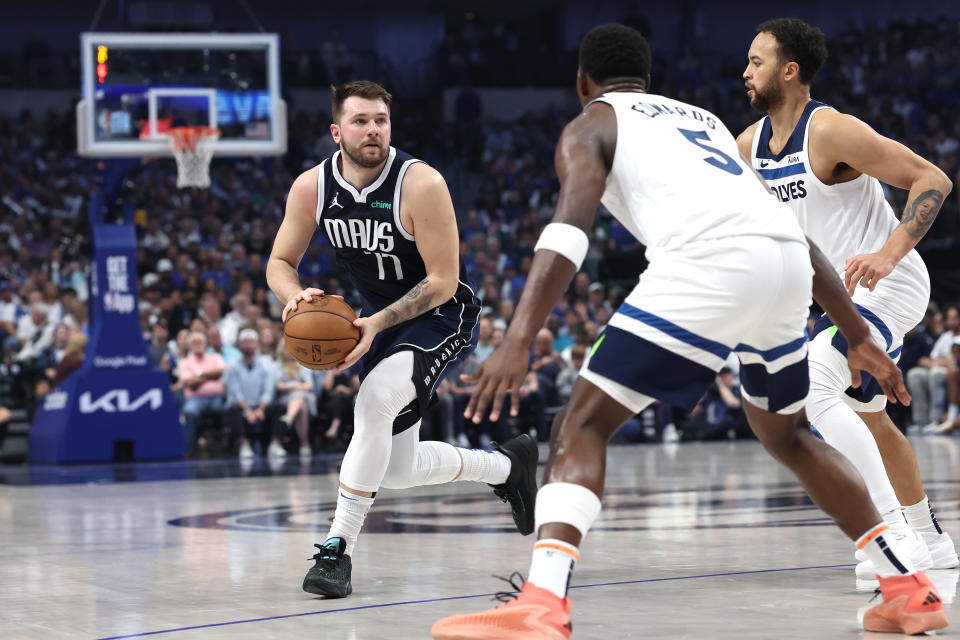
138	85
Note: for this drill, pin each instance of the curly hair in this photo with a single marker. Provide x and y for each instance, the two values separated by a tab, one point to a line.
614	51
798	42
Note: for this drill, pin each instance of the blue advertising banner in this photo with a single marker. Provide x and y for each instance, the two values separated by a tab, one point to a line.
117	406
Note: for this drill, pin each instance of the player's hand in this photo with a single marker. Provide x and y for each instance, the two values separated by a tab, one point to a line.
501	373
867	269
369	328
868	356
306	295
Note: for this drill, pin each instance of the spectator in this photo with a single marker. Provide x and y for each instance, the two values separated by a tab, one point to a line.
336	58
37	335
467	434
339	389
269	341
927	381
200	375
250	386
157	347
438	423
567	377
9	310
953	392
295	395
546	362
230	354
72	357
231	323
717	415
484	339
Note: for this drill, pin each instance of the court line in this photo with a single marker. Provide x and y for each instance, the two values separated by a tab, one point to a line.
478	595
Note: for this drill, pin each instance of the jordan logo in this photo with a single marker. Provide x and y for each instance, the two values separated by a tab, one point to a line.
931	598
334	203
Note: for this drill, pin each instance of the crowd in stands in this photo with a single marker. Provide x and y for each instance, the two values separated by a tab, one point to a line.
212	324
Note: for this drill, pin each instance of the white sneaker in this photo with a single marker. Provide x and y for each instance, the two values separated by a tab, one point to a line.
670	433
275	450
245	451
942	550
305	451
904	540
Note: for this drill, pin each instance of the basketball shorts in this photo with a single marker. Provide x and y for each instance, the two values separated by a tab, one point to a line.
894	307
828	351
440	340
692	307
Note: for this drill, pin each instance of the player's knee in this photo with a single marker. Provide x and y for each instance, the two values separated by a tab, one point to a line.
785	439
397	478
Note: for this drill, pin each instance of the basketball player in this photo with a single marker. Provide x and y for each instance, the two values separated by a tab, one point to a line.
828	167
391	222
728	272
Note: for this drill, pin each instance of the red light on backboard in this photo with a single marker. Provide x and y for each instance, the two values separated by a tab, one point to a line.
102	72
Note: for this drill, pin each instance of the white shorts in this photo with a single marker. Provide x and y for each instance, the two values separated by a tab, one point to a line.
890	312
692	307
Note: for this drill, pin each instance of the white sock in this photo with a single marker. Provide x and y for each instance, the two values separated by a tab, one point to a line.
952	412
921	519
888	563
552	565
893	517
348	518
480	465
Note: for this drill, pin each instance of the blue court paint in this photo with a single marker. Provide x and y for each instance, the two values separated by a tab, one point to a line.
478	595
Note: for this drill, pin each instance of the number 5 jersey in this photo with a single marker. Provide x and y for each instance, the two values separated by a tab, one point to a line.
678	177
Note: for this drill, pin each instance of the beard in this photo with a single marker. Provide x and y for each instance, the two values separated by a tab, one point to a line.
768	99
356	155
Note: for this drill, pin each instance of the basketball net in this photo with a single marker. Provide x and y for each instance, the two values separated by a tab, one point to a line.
193	150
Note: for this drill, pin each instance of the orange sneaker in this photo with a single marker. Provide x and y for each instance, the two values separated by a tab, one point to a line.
911	604
533	614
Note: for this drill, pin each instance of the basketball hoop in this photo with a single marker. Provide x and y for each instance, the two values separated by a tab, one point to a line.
193	150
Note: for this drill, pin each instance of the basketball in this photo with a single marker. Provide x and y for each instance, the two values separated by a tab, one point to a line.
320	333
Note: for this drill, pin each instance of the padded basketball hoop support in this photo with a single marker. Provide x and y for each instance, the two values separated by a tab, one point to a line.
117	399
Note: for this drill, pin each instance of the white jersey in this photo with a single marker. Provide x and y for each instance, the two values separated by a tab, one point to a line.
678	177
844	219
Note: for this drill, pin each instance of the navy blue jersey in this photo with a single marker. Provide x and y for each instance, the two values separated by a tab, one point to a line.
369	240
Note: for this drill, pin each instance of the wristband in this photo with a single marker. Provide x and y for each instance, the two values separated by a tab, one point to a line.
567	240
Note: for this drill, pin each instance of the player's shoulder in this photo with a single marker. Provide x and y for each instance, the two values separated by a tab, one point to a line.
750	131
830	124
421	176
595	127
305	184
745	139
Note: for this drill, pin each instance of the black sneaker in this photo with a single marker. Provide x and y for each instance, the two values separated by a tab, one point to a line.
330	576
520	489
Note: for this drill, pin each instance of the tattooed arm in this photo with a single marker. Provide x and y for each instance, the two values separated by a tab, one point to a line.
844	141
420	299
426	212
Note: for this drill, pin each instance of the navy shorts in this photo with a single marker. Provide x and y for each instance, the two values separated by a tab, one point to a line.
440	340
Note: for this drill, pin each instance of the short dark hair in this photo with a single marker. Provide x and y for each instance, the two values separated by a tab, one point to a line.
798	42
614	51
359	88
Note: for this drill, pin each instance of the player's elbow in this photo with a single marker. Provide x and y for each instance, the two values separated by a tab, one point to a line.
938	179
445	288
